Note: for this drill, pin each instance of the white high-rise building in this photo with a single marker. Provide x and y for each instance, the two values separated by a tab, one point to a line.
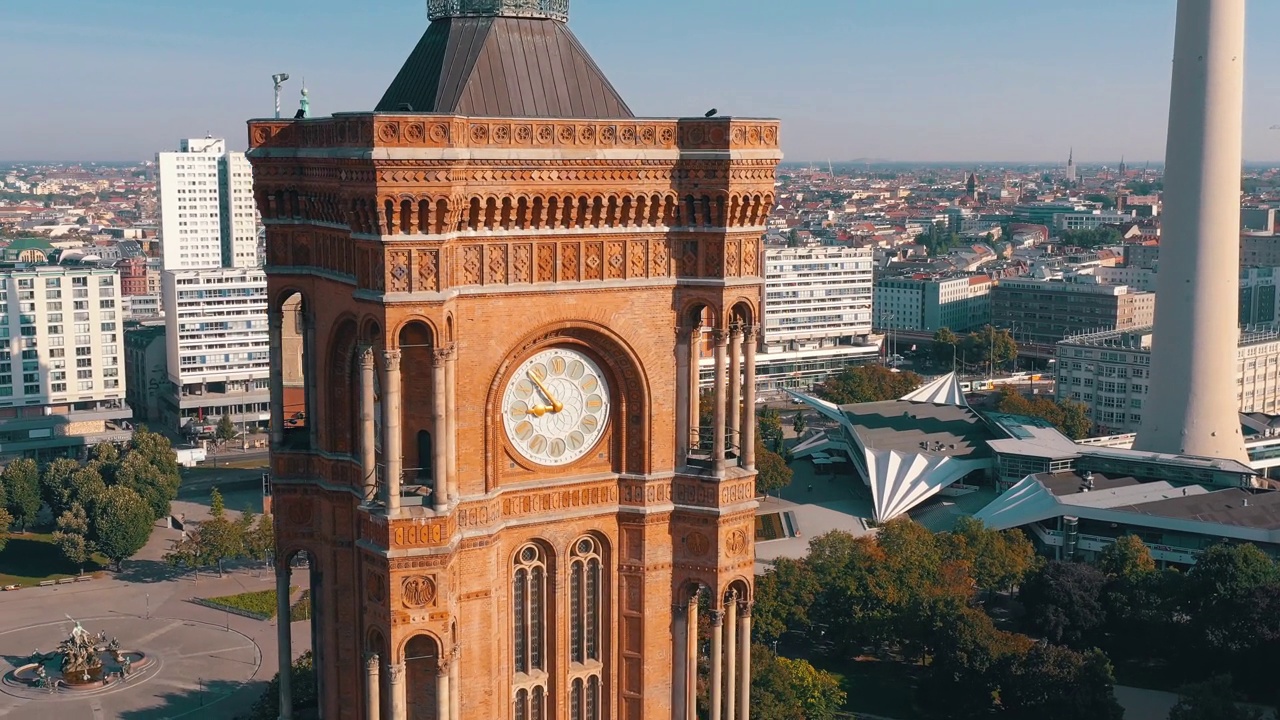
213	287
817	316
217	347
816	297
61	374
239	213
208	218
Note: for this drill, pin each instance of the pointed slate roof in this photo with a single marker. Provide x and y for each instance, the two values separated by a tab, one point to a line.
943	391
502	66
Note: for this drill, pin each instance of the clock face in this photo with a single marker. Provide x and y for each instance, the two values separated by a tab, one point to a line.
555	406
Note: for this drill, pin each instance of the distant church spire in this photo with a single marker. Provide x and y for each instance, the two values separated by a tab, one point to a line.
1071	166
305	104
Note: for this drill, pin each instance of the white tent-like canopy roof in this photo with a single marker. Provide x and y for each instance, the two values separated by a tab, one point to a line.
942	391
900	479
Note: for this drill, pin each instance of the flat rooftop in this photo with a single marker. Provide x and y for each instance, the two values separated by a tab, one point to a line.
914	427
1225	506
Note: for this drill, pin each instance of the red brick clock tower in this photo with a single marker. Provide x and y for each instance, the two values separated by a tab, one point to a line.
503	282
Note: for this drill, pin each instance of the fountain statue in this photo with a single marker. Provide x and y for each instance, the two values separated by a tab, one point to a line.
82	661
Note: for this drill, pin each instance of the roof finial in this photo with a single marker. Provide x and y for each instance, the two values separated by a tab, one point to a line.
305	104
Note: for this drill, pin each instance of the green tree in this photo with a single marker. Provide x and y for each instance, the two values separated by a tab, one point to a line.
220	538
784	595
150	467
1071	418
6	520
55	484
1106	201
105	458
945	347
968	648
793	239
786	689
1063	602
1128	558
772	473
302	679
1226	571
1213	699
999	559
867	383
121	523
226	429
799	424
1225	596
72	535
1092	238
21	483
1051	682
769	423
86	488
989	346
261	541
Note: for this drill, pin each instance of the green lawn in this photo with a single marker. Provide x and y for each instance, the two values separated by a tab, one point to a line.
262	602
29	558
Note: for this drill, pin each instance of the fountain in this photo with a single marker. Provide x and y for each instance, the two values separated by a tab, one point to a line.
82	662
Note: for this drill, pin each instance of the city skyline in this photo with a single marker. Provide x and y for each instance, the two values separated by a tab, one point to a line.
911	82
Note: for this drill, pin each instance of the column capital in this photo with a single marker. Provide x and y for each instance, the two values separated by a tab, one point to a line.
366	356
395	672
721	336
730	597
751	332
744	608
371	661
442	354
391	360
717	617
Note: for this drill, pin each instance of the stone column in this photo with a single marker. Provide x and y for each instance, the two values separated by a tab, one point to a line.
691	661
442	690
744	662
399	698
735	387
455	683
391	444
439	454
309	373
372	690
682	397
451	426
718	397
276	343
750	340
694	386
679	659
284	640
731	655
717	660
368	426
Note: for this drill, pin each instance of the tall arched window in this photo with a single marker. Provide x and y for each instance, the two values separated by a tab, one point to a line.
586	592
529	629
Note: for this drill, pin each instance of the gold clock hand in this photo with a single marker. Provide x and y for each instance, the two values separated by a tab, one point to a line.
556	406
539	410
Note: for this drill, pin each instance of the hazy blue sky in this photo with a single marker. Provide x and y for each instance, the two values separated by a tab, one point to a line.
892	79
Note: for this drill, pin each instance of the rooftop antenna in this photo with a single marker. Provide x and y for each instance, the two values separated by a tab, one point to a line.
279	79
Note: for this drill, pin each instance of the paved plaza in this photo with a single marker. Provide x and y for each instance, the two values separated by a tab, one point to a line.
212	664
